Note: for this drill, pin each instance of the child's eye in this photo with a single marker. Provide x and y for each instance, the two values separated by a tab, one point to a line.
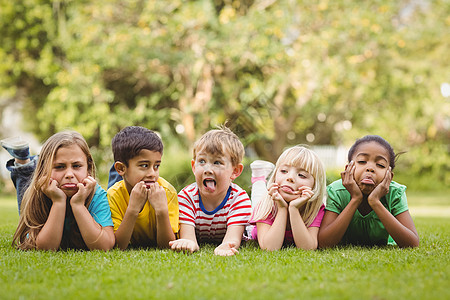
202	161
217	162
59	167
144	165
156	167
301	175
361	162
381	166
283	171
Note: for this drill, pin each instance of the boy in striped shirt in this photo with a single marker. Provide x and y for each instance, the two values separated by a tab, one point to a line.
213	209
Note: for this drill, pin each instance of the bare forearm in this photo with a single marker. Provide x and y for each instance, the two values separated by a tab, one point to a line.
125	231
187	240
274	237
234	236
94	235
50	236
402	235
164	232
303	238
231	241
331	234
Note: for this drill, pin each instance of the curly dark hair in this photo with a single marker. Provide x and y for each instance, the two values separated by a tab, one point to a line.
378	139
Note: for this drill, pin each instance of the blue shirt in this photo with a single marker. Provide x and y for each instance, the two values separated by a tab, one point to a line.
98	208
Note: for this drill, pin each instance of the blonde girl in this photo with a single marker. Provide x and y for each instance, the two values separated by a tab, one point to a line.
64	207
293	207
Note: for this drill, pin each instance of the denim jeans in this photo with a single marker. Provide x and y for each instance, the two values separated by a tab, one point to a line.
113	177
21	176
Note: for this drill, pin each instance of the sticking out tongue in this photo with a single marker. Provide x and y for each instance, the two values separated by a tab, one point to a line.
210	185
367	181
287	189
70	186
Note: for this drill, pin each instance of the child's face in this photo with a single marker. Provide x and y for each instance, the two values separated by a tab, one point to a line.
142	167
69	168
371	163
290	179
213	174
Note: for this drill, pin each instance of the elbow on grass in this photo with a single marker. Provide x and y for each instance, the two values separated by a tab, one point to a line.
311	248
268	248
414	244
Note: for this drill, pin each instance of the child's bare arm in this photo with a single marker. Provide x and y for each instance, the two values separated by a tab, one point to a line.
49	238
335	225
187	241
400	227
158	200
408	236
304	238
271	237
138	197
231	241
94	235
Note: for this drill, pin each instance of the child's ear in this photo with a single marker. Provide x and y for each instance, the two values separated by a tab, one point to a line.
237	170
193	165
120	167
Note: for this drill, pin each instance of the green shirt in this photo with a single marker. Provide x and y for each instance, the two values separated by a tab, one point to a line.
366	230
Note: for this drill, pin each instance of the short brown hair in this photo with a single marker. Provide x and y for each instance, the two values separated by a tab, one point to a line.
221	141
128	142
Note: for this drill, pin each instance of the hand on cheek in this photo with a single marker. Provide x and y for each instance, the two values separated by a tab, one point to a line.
157	197
305	193
85	188
52	191
382	188
276	197
138	196
348	181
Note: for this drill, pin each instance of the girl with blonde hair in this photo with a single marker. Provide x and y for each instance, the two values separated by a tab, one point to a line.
64	207
292	208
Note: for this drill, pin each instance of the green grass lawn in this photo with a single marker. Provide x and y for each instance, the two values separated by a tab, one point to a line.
423	199
339	273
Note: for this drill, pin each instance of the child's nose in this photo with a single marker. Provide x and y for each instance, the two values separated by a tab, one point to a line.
151	172
207	168
290	176
69	173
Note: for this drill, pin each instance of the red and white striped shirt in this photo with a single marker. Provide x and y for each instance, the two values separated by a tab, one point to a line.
212	226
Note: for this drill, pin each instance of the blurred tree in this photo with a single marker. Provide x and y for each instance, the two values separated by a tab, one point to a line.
281	72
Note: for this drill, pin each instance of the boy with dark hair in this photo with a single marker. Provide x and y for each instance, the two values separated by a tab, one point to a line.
144	206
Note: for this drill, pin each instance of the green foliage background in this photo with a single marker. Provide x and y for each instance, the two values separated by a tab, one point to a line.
339	273
277	71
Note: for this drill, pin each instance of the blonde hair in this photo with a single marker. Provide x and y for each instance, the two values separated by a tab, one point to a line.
300	157
36	205
221	141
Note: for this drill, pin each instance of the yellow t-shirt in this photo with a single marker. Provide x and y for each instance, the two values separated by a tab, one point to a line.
144	232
